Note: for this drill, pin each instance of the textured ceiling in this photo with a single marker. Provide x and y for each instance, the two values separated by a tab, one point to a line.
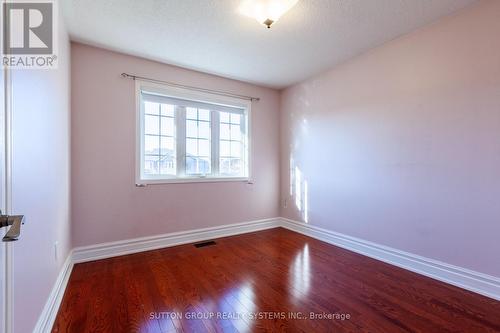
210	36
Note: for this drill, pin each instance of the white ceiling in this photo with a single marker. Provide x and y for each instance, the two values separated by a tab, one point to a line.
210	36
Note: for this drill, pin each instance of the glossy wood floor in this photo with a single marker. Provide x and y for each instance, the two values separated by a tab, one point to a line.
268	281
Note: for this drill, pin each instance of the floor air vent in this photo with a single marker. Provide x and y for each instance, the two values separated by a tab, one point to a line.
203	244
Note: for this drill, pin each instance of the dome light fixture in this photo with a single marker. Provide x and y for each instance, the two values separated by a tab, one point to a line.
266	12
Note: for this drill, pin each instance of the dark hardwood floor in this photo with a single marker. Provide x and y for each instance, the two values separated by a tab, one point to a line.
268	281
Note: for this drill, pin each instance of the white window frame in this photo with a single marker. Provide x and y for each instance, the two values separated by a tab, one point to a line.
197	96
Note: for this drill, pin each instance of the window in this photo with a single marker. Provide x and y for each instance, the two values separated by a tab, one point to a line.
185	135
198	141
231	143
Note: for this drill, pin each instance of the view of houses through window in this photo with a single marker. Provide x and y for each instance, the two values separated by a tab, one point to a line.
198	137
231	143
159	139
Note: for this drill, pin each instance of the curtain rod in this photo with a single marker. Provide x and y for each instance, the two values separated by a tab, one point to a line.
210	91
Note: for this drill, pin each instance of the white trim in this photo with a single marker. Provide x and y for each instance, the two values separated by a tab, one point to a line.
49	312
138	132
249	143
8	316
480	283
9	288
183	93
3	291
190	94
215	141
192	180
114	249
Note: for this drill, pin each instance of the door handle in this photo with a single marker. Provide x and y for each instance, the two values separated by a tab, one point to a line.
14	221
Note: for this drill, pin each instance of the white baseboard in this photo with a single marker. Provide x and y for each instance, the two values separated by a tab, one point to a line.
113	249
464	278
49	312
461	277
457	276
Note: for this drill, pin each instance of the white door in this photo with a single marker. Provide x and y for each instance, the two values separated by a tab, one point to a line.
5	248
2	205
4	263
35	183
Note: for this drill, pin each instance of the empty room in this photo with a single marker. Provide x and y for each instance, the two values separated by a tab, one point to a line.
250	166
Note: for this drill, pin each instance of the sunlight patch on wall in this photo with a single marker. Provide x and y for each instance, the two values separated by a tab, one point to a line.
299	190
306	203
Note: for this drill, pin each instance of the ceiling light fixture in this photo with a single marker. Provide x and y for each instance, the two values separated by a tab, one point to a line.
266	12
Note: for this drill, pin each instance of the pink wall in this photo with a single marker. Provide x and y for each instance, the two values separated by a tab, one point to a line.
401	146
106	205
40	182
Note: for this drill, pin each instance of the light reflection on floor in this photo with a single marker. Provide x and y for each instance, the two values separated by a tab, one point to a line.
300	274
242	303
240	300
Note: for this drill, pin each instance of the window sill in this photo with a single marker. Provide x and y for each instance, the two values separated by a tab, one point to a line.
145	182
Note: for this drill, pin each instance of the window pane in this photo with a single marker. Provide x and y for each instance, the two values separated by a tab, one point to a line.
167	165
231	167
235	118
167	110
191	128
197	166
224	165
204	130
167	146
151	165
192	147
235	149
151	108
224	117
152	144
198	137
225	149
224	132
203	114
191	165
204	148
191	113
167	126
151	125
236	167
204	166
235	132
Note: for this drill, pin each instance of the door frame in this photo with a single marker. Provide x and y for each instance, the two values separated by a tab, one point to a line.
6	190
3	247
6	257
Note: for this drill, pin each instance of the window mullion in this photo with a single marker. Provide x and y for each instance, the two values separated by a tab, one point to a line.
215	131
159	139
142	131
181	140
244	144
